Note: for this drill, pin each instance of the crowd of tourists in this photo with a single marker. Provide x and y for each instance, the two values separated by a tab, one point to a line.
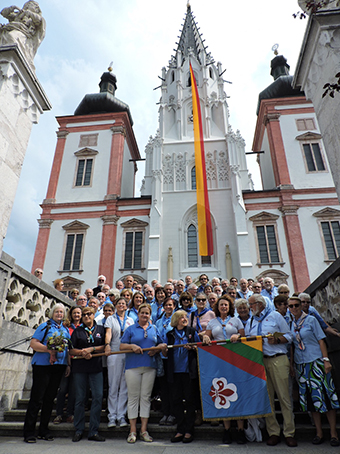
134	344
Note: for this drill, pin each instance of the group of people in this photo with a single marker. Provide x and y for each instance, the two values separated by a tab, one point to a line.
142	337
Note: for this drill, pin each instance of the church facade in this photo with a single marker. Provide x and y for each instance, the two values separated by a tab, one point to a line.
93	224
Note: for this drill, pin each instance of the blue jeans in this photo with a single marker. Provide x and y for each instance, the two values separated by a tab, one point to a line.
80	385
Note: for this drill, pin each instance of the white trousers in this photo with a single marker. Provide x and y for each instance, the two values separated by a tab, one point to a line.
139	383
118	394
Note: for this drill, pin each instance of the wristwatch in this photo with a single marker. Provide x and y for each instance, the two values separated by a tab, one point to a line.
326	359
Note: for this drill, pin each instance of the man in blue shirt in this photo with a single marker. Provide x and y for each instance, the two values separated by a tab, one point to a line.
270	291
264	321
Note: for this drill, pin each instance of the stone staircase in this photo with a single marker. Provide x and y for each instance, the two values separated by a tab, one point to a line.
13	421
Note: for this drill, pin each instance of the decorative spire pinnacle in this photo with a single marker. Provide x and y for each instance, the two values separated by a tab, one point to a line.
110	67
274	49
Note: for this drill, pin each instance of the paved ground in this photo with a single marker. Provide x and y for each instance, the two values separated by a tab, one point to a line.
11	445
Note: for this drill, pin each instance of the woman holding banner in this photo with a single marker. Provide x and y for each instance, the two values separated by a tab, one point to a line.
226	326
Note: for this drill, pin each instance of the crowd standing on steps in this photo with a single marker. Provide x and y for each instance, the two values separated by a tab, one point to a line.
120	322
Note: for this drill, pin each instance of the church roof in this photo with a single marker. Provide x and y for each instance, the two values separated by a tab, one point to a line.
105	101
282	85
191	40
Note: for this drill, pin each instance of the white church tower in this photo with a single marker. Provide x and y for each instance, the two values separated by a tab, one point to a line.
170	171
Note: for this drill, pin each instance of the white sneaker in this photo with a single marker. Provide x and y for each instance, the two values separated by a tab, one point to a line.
122	422
111	424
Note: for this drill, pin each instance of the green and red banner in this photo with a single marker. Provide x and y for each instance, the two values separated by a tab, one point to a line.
205	237
233	380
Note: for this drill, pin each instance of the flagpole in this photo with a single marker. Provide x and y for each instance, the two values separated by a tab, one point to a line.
193	344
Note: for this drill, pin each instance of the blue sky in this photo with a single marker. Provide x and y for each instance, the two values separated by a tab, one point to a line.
83	37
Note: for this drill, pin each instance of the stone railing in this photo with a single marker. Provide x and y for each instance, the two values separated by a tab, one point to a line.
25	302
325	293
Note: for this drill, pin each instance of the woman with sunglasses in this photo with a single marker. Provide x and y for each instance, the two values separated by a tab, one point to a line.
186	303
117	399
137	299
226	326
200	318
87	339
313	369
140	370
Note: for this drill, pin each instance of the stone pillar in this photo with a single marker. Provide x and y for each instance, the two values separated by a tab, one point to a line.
108	247
317	65
22	100
297	256
170	264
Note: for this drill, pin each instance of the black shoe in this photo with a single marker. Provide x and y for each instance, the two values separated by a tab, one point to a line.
241	437
46	437
30	439
188	439
77	437
177	439
227	437
96	437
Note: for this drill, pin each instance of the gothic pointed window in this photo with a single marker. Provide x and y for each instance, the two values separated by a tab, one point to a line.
192	247
193	178
194	260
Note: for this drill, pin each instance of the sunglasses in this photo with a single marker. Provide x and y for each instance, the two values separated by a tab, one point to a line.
199	299
88	314
294	305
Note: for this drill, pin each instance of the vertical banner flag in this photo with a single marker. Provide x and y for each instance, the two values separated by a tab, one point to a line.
233	380
205	239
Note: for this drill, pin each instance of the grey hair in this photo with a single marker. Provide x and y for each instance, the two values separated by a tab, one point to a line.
56	307
258	299
267	278
217	279
306	296
192	286
239	302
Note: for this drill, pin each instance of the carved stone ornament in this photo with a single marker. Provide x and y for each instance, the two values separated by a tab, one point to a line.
168	174
180	168
289	210
45	223
110	219
26	27
324	5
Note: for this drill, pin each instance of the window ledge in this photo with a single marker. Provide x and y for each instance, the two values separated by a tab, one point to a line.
132	269
70	271
271	264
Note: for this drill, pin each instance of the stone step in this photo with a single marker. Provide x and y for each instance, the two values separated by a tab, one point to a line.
304	432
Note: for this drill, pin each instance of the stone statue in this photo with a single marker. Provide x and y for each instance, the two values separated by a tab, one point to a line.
26	27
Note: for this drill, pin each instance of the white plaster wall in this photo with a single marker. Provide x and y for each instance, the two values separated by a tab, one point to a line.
97	191
128	175
54	254
299	175
266	165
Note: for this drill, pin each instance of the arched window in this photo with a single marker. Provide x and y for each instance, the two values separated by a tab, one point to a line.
172	79
192	247
193	178
211	74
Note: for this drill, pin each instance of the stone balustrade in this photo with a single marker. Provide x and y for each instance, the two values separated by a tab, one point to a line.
25	302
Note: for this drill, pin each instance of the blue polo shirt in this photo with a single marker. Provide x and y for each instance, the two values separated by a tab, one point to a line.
310	334
41	358
135	334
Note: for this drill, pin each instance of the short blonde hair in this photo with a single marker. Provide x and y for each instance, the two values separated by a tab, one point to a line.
56	307
176	316
145	305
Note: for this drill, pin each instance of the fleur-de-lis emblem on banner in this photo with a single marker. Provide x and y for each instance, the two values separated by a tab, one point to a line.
223	393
